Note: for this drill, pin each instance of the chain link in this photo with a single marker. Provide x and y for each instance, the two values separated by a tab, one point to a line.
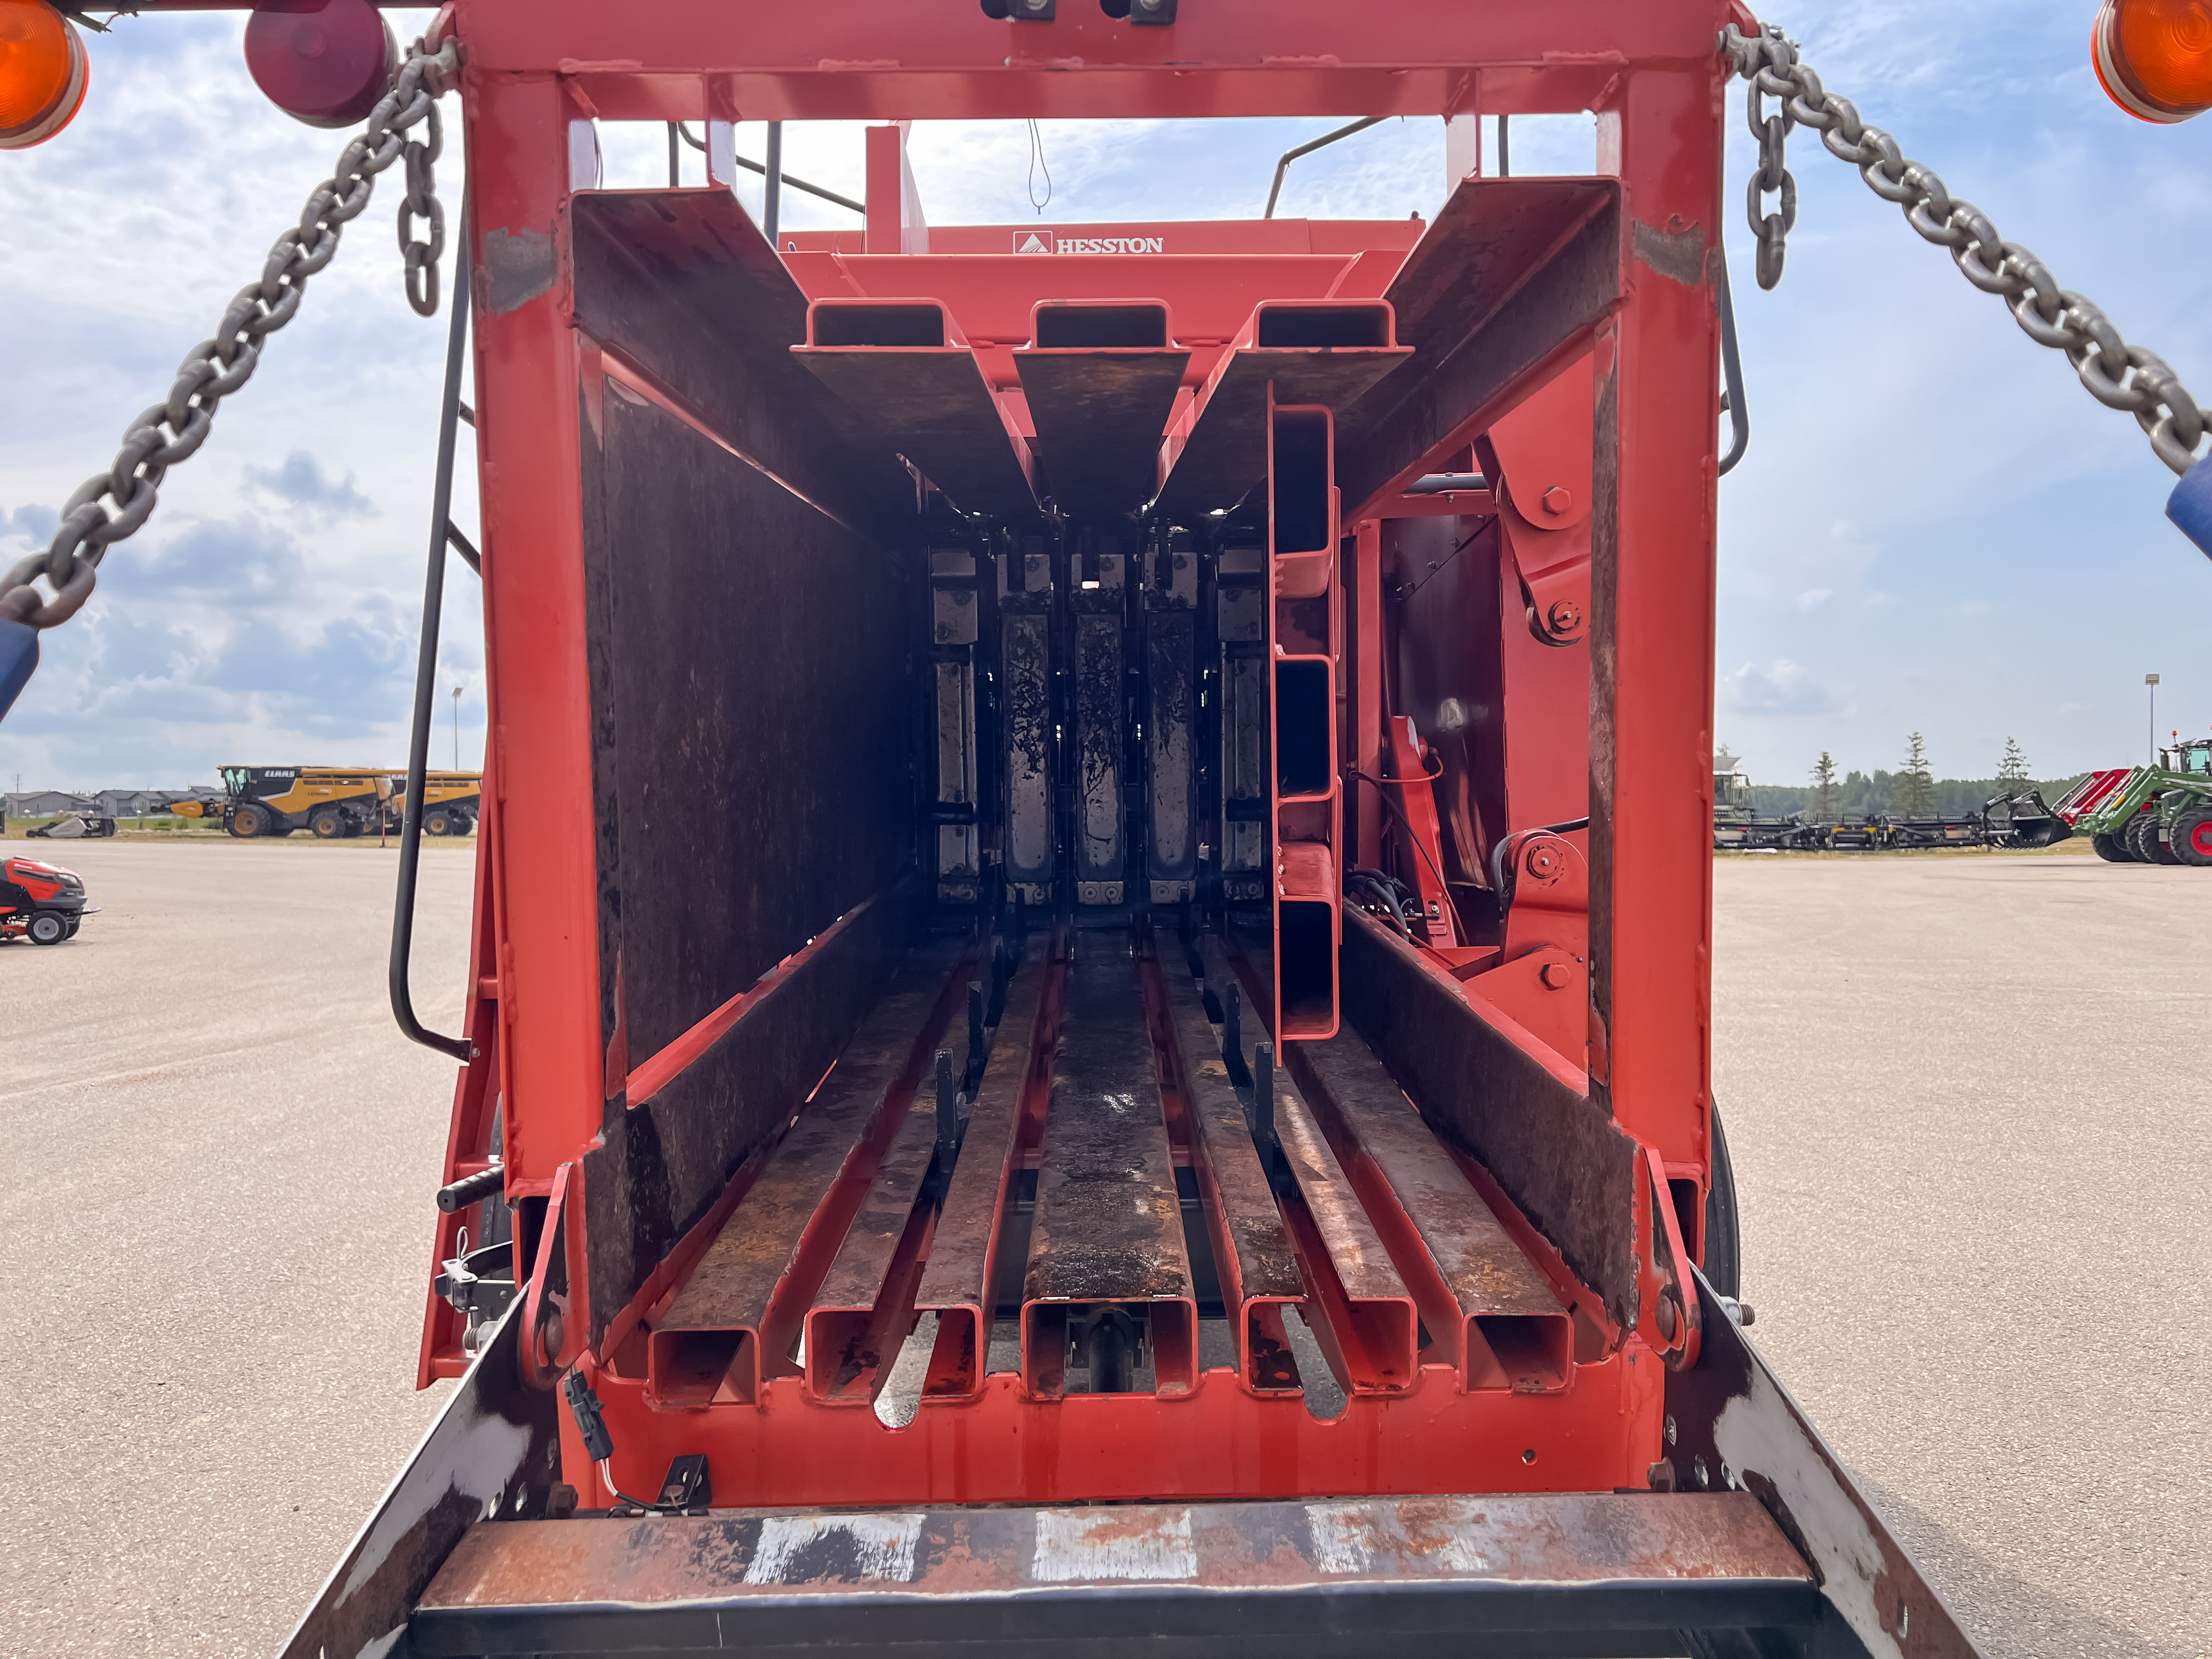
113	505
2118	375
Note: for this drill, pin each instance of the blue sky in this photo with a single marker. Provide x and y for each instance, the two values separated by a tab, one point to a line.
1936	527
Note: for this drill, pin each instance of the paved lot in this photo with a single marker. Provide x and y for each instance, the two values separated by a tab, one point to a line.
1966	1096
215	1225
1967	1100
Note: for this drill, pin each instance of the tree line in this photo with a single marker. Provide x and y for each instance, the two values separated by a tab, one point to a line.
1912	791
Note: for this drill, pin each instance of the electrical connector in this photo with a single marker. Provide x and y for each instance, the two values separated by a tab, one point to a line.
583	1405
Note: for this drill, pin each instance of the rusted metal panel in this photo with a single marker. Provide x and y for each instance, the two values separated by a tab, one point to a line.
1511	1331
1518	269
1025	639
1736	1430
658	1167
1100	415
1308	1577
684	285
1554	1152
495	1447
956	1283
1108	1226
1101	823
736	1314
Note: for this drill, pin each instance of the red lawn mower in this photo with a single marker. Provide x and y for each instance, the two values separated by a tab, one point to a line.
41	902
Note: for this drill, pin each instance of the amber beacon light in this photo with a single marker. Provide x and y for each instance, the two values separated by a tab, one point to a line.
2155	57
324	62
43	72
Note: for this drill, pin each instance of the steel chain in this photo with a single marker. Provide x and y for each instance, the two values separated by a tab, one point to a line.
2117	375
113	505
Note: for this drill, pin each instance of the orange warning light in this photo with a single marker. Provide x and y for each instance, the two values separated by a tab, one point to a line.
2154	57
43	72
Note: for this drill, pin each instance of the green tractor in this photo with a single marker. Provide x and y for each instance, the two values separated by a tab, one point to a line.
2159	814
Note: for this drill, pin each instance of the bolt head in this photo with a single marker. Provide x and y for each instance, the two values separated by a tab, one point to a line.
1554	975
1558	500
1542	861
1565	617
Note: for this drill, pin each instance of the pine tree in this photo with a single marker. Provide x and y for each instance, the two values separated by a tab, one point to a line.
1824	784
1916	784
2013	769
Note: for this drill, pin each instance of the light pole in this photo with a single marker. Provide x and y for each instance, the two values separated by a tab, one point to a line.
457	728
2151	680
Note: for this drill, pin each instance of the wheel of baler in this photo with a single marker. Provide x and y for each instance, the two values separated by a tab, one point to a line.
2192	836
1723	1229
2111	849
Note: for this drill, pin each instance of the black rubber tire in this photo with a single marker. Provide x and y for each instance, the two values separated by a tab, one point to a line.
437	822
2192	836
47	928
76	922
247	822
328	824
2144	842
2111	849
1723	1226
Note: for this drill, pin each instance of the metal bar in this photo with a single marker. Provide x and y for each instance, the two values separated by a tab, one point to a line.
956	1286
906	374
1283	163
1572	1169
1259	1266
863	1309
1731	362
1101	413
1510	1331
1328	352
1108	1237
426	672
1321	1578
735	1318
772	188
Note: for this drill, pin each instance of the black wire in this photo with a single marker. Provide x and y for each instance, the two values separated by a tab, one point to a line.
1374	879
1038	163
1383	786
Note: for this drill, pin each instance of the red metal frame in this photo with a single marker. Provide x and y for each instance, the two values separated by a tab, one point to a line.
1638	753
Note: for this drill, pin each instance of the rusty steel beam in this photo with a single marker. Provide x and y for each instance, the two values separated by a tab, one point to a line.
905	370
733	1322
1259	1276
1108	1237
1100	379
1328	352
1321	1578
956	1286
1510	1329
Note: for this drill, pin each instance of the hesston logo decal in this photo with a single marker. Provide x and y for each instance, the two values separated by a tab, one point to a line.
1046	241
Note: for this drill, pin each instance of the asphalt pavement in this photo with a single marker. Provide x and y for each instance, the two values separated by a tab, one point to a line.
1966	1097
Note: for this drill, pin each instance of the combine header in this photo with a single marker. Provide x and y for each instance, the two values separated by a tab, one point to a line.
937	1161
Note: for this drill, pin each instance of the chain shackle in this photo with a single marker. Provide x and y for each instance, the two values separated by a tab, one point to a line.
111	506
2120	375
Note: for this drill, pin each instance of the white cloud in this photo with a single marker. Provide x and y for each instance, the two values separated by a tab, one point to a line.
1783	689
1814	598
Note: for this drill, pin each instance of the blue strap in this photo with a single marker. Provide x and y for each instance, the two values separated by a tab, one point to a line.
2189	507
19	655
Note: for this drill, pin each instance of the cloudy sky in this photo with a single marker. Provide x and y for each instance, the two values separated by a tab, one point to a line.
1935	528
